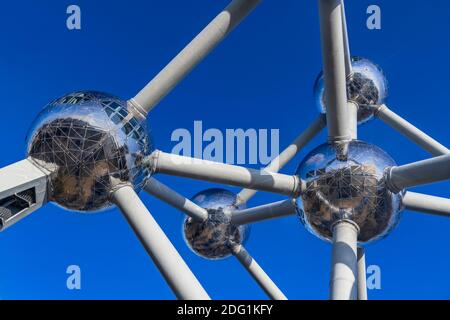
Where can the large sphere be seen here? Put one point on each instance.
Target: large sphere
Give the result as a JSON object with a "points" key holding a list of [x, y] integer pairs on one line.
{"points": [[91, 144], [216, 237], [348, 188], [366, 86]]}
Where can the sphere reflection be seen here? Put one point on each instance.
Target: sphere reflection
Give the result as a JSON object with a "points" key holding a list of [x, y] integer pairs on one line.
{"points": [[367, 85], [348, 188], [215, 237], [90, 143]]}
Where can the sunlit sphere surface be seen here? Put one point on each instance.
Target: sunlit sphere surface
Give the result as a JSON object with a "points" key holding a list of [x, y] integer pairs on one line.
{"points": [[350, 187], [216, 237], [366, 86], [91, 144]]}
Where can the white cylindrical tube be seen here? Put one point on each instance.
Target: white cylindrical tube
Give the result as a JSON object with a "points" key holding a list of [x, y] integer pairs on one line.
{"points": [[344, 262], [169, 262]]}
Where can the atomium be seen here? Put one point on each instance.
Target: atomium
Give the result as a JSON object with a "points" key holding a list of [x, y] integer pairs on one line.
{"points": [[215, 237], [350, 187], [89, 150], [91, 144], [366, 86]]}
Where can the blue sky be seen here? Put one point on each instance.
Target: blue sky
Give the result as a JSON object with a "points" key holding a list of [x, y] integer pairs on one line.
{"points": [[260, 77]]}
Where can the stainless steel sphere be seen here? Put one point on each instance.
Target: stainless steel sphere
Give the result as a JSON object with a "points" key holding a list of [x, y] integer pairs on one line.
{"points": [[350, 187], [367, 85], [215, 237], [90, 143]]}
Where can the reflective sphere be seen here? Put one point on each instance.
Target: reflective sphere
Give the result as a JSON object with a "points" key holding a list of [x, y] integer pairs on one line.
{"points": [[350, 187], [216, 237], [90, 143], [367, 85]]}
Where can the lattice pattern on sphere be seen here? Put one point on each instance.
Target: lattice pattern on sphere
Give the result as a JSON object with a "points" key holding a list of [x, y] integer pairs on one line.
{"points": [[366, 86], [92, 153], [214, 238], [90, 148], [354, 192], [362, 90]]}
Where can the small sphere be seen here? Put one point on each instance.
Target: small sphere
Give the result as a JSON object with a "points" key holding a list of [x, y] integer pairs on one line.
{"points": [[215, 237], [90, 143], [366, 86], [350, 187]]}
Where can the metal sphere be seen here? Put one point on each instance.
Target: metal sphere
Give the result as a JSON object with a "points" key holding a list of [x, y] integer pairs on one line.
{"points": [[366, 86], [215, 237], [91, 144], [350, 187]]}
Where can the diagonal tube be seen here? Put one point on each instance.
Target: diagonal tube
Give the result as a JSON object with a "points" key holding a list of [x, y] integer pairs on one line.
{"points": [[410, 131], [190, 56], [166, 194], [288, 154], [23, 190], [167, 259], [428, 204], [160, 162], [418, 173], [265, 212], [258, 274]]}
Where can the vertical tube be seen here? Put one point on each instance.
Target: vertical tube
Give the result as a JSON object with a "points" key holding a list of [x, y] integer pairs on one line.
{"points": [[334, 69], [353, 119], [348, 58], [344, 263], [362, 285], [169, 262]]}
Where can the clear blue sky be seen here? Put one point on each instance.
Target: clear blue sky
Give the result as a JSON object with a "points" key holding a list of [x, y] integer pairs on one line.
{"points": [[260, 77]]}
